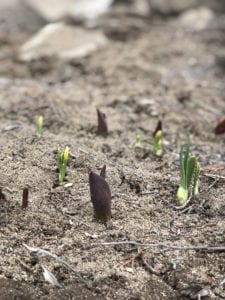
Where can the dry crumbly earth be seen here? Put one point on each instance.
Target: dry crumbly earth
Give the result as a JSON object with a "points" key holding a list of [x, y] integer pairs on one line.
{"points": [[149, 71]]}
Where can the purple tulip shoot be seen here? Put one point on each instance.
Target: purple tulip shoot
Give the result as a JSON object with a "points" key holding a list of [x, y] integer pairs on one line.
{"points": [[100, 197], [103, 172], [158, 127], [102, 124], [220, 127], [25, 198]]}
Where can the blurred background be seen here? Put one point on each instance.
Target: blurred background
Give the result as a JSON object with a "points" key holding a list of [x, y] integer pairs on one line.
{"points": [[67, 30]]}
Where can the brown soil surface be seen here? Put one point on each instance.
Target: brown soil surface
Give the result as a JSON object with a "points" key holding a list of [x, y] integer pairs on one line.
{"points": [[182, 76]]}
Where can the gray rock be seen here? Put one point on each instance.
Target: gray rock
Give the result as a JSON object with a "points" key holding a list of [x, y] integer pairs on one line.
{"points": [[15, 17], [170, 7], [137, 7], [173, 7], [63, 41]]}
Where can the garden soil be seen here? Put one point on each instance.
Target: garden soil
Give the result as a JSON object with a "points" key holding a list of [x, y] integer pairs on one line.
{"points": [[151, 69]]}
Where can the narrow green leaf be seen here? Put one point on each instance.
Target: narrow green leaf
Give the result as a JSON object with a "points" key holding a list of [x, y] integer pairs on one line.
{"points": [[190, 171], [196, 178], [182, 168], [186, 159]]}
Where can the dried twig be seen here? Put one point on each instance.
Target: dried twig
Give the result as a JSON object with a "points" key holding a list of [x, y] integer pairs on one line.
{"points": [[131, 259], [210, 186], [57, 258], [206, 248], [213, 176], [148, 267]]}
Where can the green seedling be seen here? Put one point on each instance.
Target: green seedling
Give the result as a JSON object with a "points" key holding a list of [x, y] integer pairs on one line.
{"points": [[189, 172], [157, 143], [137, 141], [62, 161], [40, 127]]}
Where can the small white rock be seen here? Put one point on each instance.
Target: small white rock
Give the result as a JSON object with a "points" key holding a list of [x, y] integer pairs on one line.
{"points": [[55, 10], [196, 19], [69, 184], [63, 41]]}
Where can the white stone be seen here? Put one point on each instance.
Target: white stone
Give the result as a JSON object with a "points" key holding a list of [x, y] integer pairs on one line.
{"points": [[55, 10], [196, 19], [64, 41]]}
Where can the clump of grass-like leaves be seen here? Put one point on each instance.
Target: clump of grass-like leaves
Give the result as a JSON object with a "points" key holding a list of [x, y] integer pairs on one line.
{"points": [[189, 172], [100, 197], [62, 161]]}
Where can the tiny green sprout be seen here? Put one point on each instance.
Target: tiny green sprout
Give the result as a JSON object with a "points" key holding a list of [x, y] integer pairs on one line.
{"points": [[62, 160], [190, 171], [40, 127], [157, 143], [137, 141]]}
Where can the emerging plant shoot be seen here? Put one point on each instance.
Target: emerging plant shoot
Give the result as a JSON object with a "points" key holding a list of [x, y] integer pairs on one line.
{"points": [[100, 197], [220, 127], [138, 141], [103, 172], [40, 127], [102, 124], [157, 143], [25, 198], [189, 172], [62, 161]]}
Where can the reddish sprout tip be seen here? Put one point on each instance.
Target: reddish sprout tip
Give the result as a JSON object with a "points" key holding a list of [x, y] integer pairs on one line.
{"points": [[25, 198], [158, 127], [100, 197], [220, 128], [102, 124], [103, 172]]}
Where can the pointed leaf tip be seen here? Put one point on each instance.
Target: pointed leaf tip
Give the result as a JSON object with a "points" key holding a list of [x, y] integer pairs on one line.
{"points": [[220, 127], [102, 123], [103, 172], [100, 197], [158, 127]]}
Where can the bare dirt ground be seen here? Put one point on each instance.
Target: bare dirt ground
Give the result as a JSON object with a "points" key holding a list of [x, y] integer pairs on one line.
{"points": [[181, 74]]}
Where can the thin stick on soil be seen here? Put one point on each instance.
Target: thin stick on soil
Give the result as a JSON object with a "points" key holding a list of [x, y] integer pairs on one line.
{"points": [[210, 186], [213, 176], [131, 259], [140, 255], [148, 267], [168, 247], [58, 259]]}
